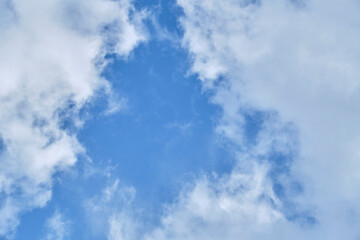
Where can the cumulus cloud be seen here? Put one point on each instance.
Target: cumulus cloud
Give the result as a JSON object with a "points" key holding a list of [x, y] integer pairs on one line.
{"points": [[295, 62], [52, 55]]}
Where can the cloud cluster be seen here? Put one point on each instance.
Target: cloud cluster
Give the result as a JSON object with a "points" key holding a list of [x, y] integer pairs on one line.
{"points": [[51, 57], [297, 60]]}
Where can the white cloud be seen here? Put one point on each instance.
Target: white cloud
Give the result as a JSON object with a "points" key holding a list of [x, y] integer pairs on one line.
{"points": [[51, 57], [300, 61], [110, 213], [57, 227], [221, 208]]}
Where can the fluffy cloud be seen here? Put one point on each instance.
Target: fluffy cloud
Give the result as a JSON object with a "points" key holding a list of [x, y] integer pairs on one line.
{"points": [[222, 208], [52, 54], [297, 60]]}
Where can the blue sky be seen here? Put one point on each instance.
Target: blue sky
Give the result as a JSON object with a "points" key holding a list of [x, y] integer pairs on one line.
{"points": [[187, 119]]}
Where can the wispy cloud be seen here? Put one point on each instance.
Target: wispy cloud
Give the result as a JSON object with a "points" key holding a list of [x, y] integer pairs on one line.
{"points": [[57, 227], [110, 213], [184, 128]]}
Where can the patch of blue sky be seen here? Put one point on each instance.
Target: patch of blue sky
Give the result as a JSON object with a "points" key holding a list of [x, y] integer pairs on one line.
{"points": [[166, 132], [2, 144]]}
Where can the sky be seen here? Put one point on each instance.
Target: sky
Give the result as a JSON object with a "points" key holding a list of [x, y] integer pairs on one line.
{"points": [[179, 119]]}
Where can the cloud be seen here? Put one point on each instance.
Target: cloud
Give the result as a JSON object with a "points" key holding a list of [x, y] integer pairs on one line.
{"points": [[221, 208], [184, 128], [52, 55], [57, 227], [296, 64], [110, 213]]}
